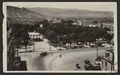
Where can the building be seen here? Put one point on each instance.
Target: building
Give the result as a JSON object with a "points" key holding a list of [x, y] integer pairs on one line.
{"points": [[77, 23], [108, 60], [110, 26], [10, 47], [92, 25], [35, 35], [13, 59]]}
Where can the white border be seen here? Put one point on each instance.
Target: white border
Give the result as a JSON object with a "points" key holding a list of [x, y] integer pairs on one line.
{"points": [[5, 46]]}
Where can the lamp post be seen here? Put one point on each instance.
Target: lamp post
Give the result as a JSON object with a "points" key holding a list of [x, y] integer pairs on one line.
{"points": [[50, 46], [97, 47], [112, 64], [97, 42], [34, 46], [31, 40]]}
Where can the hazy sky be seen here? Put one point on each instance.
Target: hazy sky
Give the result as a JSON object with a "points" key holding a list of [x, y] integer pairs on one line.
{"points": [[98, 6]]}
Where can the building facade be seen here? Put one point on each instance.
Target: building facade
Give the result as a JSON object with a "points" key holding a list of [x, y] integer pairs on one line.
{"points": [[10, 47], [13, 59]]}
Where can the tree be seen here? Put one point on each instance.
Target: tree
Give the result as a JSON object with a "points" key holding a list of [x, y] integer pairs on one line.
{"points": [[108, 37], [45, 23], [70, 22], [21, 34], [51, 36], [25, 37]]}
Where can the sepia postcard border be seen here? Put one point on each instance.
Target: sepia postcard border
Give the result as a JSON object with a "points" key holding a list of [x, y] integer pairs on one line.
{"points": [[5, 48]]}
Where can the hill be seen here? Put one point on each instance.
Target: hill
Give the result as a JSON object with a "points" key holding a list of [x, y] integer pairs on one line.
{"points": [[58, 12], [15, 12]]}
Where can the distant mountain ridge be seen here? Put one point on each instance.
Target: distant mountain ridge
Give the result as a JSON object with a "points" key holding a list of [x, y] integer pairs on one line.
{"points": [[58, 12], [16, 12]]}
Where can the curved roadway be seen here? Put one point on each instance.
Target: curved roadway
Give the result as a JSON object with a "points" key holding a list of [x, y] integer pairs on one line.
{"points": [[70, 58]]}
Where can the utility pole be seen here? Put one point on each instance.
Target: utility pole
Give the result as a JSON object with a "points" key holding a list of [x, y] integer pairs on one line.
{"points": [[34, 46], [106, 59], [49, 47], [97, 47], [97, 50], [112, 65]]}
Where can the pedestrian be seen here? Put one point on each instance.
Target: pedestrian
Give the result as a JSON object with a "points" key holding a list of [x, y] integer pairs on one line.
{"points": [[97, 67], [88, 65], [77, 66], [60, 55]]}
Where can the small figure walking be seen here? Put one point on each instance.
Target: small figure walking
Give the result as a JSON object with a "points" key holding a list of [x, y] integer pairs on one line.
{"points": [[77, 66], [60, 55]]}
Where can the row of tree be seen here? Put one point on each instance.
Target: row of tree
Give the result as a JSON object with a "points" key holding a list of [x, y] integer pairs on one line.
{"points": [[21, 36], [61, 33]]}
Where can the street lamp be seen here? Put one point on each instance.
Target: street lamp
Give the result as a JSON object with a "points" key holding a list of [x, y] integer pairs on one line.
{"points": [[50, 46], [31, 40], [97, 42], [97, 46], [34, 46]]}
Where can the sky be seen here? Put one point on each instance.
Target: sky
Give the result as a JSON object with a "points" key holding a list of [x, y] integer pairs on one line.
{"points": [[98, 6]]}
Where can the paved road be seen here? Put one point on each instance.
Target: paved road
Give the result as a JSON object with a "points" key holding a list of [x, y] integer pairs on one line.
{"points": [[33, 59], [53, 61], [43, 46], [68, 60]]}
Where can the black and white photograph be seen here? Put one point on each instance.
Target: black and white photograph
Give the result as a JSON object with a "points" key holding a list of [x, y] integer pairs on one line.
{"points": [[68, 37]]}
